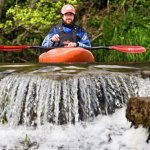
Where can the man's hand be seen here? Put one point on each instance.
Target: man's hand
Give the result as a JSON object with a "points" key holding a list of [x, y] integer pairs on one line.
{"points": [[71, 44], [55, 38]]}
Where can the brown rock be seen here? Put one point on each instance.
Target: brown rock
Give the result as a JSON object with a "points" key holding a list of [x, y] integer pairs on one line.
{"points": [[138, 112]]}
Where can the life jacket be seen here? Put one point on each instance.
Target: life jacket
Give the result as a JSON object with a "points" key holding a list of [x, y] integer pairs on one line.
{"points": [[67, 37]]}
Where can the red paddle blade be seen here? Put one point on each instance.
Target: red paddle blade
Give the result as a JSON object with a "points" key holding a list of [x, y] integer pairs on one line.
{"points": [[12, 48], [128, 49]]}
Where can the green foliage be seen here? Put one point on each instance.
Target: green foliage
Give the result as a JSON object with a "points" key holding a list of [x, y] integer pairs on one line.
{"points": [[126, 27], [119, 22], [30, 19]]}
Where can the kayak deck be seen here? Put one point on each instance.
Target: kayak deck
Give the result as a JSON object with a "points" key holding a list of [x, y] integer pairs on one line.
{"points": [[66, 55]]}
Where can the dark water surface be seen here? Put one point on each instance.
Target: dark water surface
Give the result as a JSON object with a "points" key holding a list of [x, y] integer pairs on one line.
{"points": [[78, 67]]}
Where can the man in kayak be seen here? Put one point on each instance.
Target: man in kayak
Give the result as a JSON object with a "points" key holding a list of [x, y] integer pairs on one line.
{"points": [[67, 34]]}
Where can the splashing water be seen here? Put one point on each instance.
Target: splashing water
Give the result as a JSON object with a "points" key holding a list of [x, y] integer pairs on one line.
{"points": [[111, 132]]}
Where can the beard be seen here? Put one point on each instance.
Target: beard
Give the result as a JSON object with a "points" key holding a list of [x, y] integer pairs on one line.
{"points": [[68, 22]]}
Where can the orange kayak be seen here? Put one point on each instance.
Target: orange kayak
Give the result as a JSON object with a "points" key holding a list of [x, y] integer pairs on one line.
{"points": [[66, 55]]}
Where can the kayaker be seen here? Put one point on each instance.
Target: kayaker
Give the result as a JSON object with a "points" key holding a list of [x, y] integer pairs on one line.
{"points": [[67, 33]]}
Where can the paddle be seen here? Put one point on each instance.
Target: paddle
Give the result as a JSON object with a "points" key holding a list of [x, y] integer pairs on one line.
{"points": [[121, 48]]}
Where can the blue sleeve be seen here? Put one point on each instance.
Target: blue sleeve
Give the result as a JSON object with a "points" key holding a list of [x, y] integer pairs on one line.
{"points": [[84, 39], [47, 40]]}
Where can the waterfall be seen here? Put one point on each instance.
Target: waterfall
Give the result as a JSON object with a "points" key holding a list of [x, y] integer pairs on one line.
{"points": [[34, 99]]}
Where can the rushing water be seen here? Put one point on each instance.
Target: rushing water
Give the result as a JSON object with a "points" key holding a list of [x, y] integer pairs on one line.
{"points": [[69, 107]]}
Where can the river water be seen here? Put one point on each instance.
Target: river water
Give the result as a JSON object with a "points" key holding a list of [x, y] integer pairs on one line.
{"points": [[101, 129]]}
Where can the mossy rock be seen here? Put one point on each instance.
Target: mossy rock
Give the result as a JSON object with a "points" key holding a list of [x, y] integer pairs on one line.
{"points": [[138, 112]]}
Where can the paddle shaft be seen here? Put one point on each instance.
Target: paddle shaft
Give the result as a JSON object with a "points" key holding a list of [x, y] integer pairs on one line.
{"points": [[88, 48]]}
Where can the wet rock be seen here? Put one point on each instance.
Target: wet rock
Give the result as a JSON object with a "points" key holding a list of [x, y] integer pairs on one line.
{"points": [[27, 144], [138, 112], [145, 74]]}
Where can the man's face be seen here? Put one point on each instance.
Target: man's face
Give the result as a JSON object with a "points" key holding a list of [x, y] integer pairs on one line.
{"points": [[68, 18]]}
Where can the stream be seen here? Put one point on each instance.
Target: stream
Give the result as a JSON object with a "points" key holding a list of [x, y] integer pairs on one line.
{"points": [[71, 106]]}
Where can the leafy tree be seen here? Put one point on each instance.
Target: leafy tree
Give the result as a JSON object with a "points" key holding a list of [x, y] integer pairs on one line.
{"points": [[28, 21]]}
